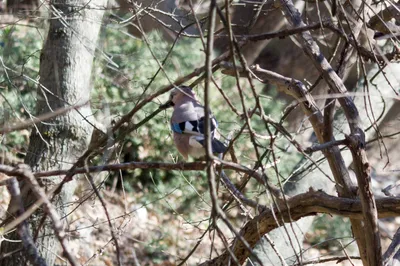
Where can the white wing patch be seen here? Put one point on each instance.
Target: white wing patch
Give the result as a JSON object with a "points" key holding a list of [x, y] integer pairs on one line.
{"points": [[191, 129]]}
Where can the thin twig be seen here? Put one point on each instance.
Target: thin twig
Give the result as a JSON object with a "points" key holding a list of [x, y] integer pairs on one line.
{"points": [[22, 230], [325, 145], [24, 172], [103, 204], [302, 205], [337, 259], [393, 248], [27, 123]]}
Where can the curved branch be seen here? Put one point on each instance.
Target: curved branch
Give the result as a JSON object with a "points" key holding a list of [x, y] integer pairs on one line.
{"points": [[356, 139], [300, 206]]}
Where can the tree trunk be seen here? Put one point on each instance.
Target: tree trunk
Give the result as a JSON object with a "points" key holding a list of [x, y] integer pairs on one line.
{"points": [[65, 71]]}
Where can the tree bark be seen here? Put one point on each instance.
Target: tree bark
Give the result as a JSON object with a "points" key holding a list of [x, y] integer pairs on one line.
{"points": [[65, 72]]}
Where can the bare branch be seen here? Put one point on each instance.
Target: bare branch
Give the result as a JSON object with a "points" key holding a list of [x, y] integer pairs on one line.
{"points": [[325, 145], [320, 260], [236, 192], [357, 137], [393, 248], [27, 123], [286, 32], [297, 90], [103, 204], [387, 190], [102, 141], [369, 55], [23, 231], [24, 172], [377, 22], [299, 206]]}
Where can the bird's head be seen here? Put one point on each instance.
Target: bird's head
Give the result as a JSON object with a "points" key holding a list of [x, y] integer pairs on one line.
{"points": [[180, 94]]}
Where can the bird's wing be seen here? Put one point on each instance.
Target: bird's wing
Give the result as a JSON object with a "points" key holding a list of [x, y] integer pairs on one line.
{"points": [[199, 142], [194, 127]]}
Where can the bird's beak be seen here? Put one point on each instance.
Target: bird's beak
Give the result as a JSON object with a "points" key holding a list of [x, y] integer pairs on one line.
{"points": [[166, 105]]}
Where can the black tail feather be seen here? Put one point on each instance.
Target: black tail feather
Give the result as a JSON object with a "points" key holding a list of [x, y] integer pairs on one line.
{"points": [[217, 146]]}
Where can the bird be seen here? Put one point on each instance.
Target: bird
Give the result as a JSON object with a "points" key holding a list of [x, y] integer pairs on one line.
{"points": [[188, 124]]}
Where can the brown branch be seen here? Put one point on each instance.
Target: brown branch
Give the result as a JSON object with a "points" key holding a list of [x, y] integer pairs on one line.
{"points": [[195, 166], [357, 137], [4, 178], [325, 145], [320, 260], [24, 172], [29, 122], [370, 55], [329, 113], [377, 22], [297, 90], [102, 140], [387, 189], [285, 33], [299, 206], [393, 248], [182, 166], [22, 229], [236, 192], [216, 211], [110, 225], [215, 208]]}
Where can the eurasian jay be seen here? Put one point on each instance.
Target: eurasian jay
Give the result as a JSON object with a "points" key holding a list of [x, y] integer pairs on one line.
{"points": [[187, 124]]}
